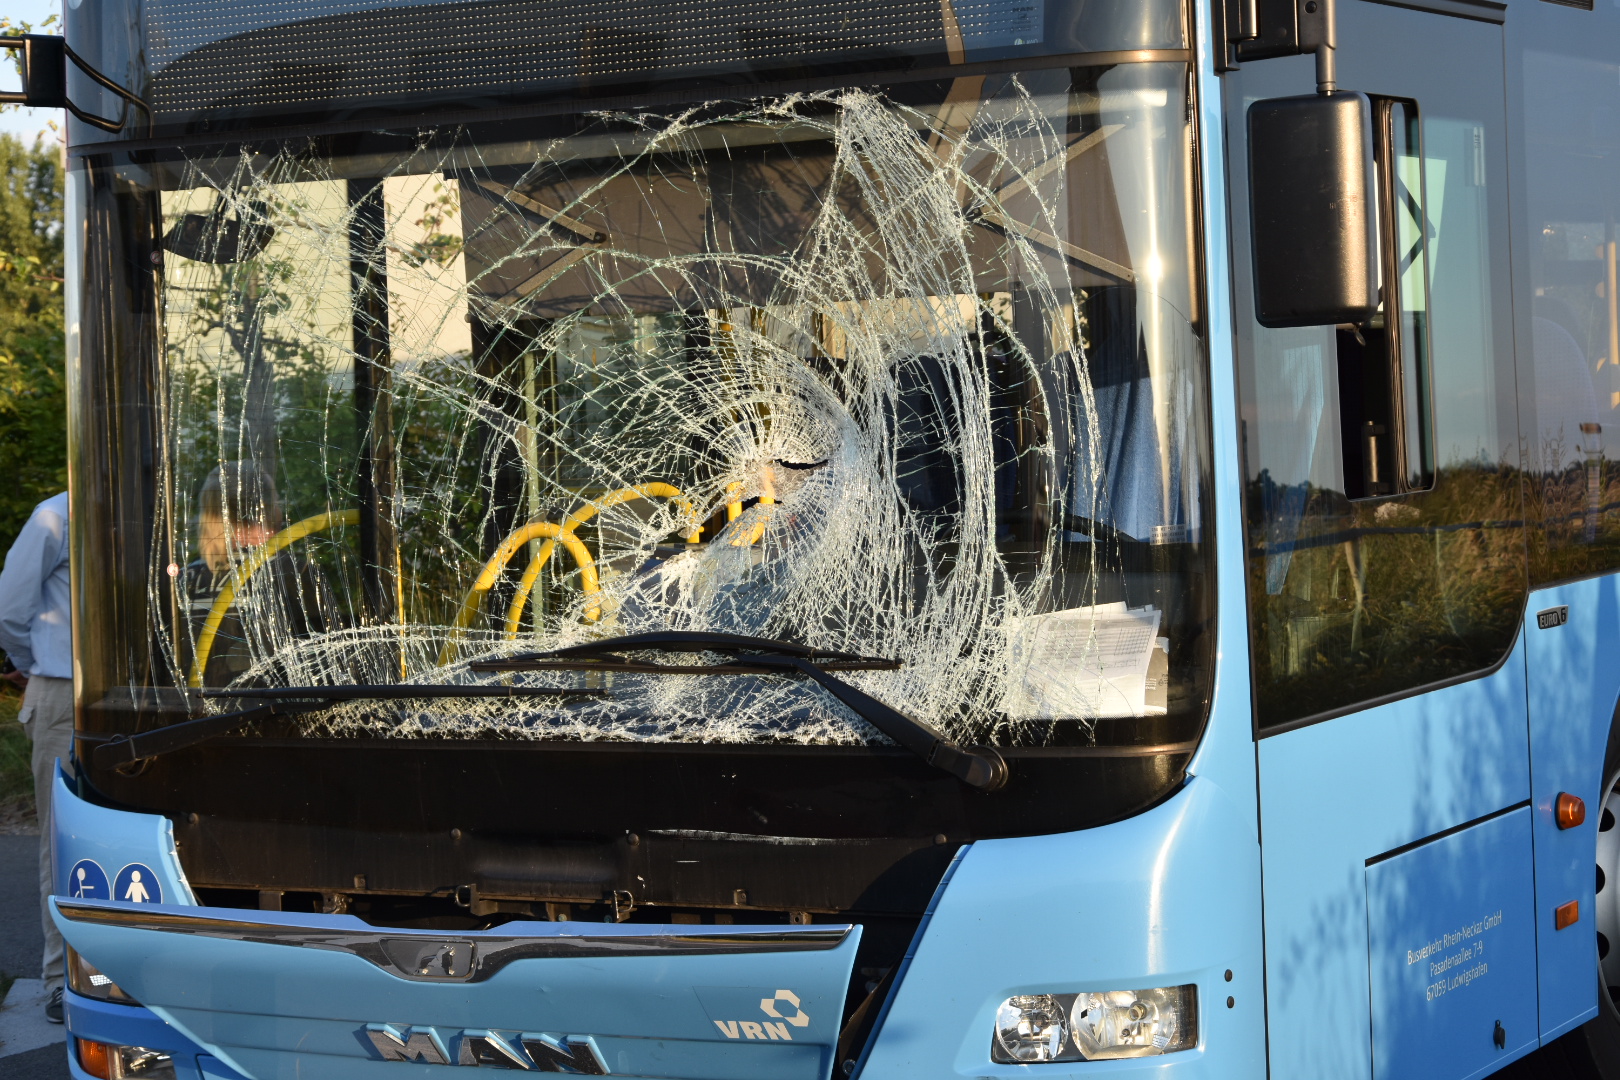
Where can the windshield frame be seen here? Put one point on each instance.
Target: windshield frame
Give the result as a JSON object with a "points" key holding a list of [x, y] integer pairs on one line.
{"points": [[1169, 743]]}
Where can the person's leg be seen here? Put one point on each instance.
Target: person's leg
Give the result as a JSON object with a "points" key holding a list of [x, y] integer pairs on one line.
{"points": [[49, 706]]}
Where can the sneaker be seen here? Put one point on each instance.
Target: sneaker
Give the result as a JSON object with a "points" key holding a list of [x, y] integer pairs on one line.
{"points": [[53, 1007]]}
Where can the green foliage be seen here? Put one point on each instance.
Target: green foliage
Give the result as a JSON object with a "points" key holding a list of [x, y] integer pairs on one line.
{"points": [[16, 774], [33, 402]]}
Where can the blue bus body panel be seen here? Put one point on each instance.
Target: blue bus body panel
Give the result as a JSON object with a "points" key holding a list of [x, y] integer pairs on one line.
{"points": [[1162, 899], [274, 1010], [134, 1025], [87, 836], [1338, 793], [1453, 958], [1574, 683]]}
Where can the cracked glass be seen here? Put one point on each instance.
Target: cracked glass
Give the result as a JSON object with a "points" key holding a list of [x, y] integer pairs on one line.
{"points": [[911, 372]]}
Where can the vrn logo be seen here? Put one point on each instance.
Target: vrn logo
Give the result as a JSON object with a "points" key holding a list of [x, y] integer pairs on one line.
{"points": [[782, 1007]]}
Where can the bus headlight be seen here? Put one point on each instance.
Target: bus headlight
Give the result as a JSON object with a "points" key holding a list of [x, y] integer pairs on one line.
{"points": [[1032, 1027], [1096, 1025], [106, 1061], [83, 979]]}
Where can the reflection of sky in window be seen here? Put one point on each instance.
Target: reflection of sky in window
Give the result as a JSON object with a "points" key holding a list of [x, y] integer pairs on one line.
{"points": [[1569, 167]]}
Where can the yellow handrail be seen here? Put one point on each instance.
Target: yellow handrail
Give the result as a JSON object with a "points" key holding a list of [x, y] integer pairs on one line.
{"points": [[514, 611], [503, 555], [767, 497], [250, 566]]}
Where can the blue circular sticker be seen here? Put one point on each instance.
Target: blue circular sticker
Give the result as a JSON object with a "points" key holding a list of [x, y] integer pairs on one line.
{"points": [[137, 884], [88, 881]]}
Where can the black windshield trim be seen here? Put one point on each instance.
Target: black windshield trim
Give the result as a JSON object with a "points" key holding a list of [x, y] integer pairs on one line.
{"points": [[457, 117]]}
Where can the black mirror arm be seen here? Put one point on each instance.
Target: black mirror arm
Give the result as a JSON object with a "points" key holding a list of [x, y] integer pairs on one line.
{"points": [[44, 69]]}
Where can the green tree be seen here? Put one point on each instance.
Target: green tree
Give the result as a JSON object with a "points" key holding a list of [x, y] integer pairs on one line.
{"points": [[33, 401]]}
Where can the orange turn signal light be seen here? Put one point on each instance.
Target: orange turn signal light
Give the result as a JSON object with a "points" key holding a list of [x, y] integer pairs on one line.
{"points": [[1569, 810], [1566, 914], [96, 1058]]}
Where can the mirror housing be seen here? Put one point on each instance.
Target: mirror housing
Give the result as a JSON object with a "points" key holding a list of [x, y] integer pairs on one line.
{"points": [[44, 71], [1311, 211]]}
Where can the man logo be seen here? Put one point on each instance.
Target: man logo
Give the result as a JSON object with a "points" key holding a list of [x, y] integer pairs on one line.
{"points": [[530, 1052], [783, 1006]]}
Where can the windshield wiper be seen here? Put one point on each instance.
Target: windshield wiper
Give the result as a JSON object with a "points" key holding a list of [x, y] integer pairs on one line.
{"points": [[981, 766], [293, 701], [605, 655]]}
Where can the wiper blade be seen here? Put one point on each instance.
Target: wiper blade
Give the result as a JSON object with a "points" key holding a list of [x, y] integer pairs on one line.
{"points": [[292, 701], [980, 766], [681, 642]]}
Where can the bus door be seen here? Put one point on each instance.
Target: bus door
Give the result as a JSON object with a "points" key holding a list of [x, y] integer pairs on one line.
{"points": [[1386, 584]]}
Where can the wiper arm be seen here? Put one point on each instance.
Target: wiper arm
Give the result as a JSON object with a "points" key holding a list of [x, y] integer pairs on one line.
{"points": [[292, 701], [605, 655], [981, 766]]}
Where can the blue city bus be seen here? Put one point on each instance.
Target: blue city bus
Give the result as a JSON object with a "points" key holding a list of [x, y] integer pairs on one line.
{"points": [[901, 538]]}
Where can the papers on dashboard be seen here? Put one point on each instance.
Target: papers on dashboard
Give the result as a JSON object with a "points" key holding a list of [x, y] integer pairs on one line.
{"points": [[1087, 662]]}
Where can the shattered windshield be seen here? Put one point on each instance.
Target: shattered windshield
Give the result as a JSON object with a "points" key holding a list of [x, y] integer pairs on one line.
{"points": [[911, 374]]}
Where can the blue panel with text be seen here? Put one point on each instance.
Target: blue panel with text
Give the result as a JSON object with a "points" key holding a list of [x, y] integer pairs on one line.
{"points": [[1453, 953]]}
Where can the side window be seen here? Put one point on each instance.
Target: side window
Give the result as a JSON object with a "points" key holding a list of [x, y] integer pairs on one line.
{"points": [[1385, 543], [1570, 402]]}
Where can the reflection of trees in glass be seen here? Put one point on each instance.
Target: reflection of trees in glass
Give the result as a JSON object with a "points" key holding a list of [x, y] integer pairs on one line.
{"points": [[1386, 596], [255, 376], [1575, 514]]}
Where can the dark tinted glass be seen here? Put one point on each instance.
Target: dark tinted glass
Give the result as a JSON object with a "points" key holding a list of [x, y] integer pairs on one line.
{"points": [[1369, 587], [203, 65]]}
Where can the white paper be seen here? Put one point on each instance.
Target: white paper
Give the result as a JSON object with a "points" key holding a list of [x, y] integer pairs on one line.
{"points": [[1082, 663]]}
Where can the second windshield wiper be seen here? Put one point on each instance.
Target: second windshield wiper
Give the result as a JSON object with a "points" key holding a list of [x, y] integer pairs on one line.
{"points": [[293, 701], [981, 766]]}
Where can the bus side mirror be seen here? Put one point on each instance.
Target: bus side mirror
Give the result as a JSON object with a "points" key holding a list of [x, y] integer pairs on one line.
{"points": [[44, 71], [1311, 189]]}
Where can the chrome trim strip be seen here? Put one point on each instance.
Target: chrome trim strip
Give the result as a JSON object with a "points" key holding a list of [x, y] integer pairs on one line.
{"points": [[428, 956]]}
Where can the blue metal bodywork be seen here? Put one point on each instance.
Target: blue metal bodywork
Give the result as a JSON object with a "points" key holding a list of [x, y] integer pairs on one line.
{"points": [[1173, 895], [1400, 772], [1574, 685], [133, 1025], [1452, 952], [274, 1010], [113, 841], [1168, 897]]}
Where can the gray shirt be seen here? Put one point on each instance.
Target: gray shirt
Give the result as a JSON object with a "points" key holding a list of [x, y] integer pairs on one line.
{"points": [[36, 628]]}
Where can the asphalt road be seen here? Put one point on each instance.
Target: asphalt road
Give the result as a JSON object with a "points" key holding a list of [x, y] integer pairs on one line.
{"points": [[19, 906], [20, 946]]}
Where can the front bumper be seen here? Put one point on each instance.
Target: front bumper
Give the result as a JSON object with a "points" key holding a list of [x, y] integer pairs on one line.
{"points": [[1164, 898]]}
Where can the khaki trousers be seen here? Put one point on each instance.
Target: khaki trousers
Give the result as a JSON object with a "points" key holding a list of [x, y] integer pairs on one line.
{"points": [[47, 710]]}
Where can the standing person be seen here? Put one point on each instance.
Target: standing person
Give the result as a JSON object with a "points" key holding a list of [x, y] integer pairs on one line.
{"points": [[36, 633]]}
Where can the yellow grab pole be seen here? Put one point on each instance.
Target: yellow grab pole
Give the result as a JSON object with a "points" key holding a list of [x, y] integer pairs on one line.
{"points": [[514, 611], [250, 566], [503, 555]]}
